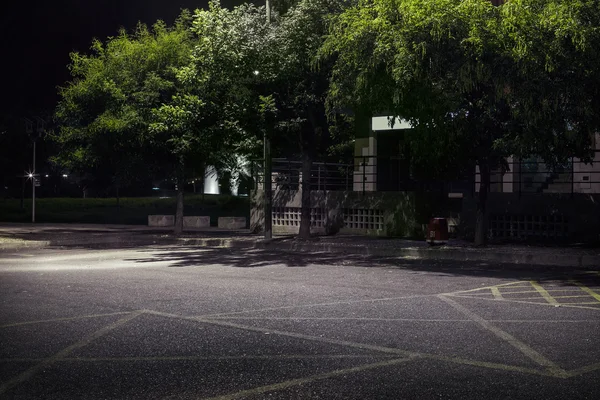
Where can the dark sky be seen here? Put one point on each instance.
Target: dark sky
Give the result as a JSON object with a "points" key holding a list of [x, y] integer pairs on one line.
{"points": [[37, 37]]}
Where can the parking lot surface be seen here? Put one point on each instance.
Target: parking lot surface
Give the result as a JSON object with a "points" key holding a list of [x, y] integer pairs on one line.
{"points": [[185, 323]]}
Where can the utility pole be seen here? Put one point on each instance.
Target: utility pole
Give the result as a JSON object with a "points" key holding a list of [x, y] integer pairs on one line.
{"points": [[33, 185], [268, 167], [268, 7], [30, 131]]}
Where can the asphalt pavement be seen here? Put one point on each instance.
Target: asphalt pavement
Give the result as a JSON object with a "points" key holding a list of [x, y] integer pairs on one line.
{"points": [[171, 321], [19, 235]]}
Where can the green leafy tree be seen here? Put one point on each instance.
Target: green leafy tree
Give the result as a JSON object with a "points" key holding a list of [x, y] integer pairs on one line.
{"points": [[167, 99], [299, 85], [105, 112], [475, 78], [212, 118]]}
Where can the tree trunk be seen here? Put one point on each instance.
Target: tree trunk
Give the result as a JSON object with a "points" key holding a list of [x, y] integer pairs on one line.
{"points": [[118, 197], [305, 211], [484, 187], [179, 210]]}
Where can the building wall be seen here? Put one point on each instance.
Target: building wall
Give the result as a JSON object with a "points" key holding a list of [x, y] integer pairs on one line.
{"points": [[584, 178], [543, 217], [401, 214]]}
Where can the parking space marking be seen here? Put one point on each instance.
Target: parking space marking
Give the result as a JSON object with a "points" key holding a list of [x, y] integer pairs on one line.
{"points": [[519, 321], [242, 317], [42, 321], [385, 350], [570, 305], [549, 293], [63, 353], [346, 343], [332, 303], [587, 290], [268, 357], [560, 297], [513, 341], [309, 379], [496, 293], [512, 284], [544, 293], [584, 370]]}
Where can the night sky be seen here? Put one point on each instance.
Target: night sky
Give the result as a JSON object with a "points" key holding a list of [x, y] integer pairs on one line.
{"points": [[38, 36]]}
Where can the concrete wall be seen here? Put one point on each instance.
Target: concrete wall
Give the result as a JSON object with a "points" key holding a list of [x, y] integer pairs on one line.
{"points": [[161, 220], [189, 222], [401, 214], [582, 211], [232, 222], [196, 222]]}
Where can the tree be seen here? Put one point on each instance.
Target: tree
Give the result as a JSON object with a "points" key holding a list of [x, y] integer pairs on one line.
{"points": [[165, 99], [299, 84], [105, 112], [473, 75], [211, 119]]}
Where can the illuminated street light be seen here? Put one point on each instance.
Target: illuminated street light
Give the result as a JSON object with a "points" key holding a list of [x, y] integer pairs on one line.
{"points": [[65, 176]]}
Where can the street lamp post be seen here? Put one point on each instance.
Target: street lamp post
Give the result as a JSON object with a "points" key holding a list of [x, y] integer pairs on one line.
{"points": [[33, 185], [31, 175], [268, 188], [38, 133]]}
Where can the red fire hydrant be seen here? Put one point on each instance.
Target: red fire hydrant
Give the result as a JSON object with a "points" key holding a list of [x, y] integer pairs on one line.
{"points": [[437, 231]]}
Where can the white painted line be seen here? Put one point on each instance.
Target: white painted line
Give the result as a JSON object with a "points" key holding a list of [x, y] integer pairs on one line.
{"points": [[346, 343], [486, 287], [301, 381], [226, 358], [517, 344], [584, 370], [541, 303], [63, 353], [386, 350], [43, 321], [243, 318], [333, 303]]}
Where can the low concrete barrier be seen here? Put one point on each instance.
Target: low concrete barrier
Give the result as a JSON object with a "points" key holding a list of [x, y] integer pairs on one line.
{"points": [[161, 220], [232, 222], [196, 222]]}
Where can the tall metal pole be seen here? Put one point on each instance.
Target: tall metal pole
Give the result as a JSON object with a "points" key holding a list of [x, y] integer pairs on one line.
{"points": [[268, 167], [268, 189], [33, 186], [268, 7]]}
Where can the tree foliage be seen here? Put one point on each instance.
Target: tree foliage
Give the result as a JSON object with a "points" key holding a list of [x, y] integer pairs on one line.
{"points": [[106, 110], [169, 98], [484, 81]]}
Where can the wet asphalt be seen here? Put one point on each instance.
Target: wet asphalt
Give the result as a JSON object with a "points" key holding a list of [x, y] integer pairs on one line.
{"points": [[176, 322]]}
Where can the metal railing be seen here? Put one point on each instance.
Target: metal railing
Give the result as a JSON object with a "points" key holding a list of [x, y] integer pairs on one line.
{"points": [[373, 173], [533, 176], [287, 175]]}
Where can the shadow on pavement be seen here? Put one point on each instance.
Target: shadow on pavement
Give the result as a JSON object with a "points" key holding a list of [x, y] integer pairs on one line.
{"points": [[194, 257], [161, 246]]}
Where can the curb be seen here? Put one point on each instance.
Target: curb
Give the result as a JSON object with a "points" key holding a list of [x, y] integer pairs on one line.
{"points": [[25, 244]]}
